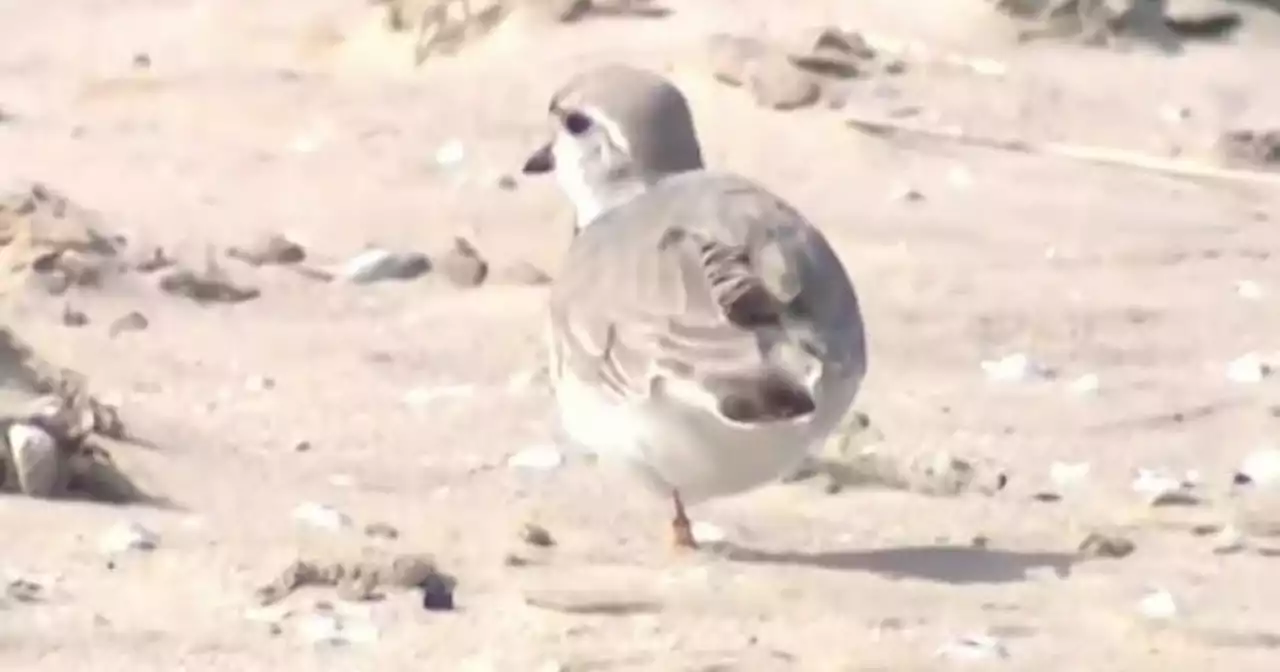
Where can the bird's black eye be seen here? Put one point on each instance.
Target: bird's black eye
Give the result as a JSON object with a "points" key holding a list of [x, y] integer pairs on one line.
{"points": [[576, 122]]}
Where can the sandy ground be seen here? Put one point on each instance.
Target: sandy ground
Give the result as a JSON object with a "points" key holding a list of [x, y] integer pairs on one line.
{"points": [[252, 119]]}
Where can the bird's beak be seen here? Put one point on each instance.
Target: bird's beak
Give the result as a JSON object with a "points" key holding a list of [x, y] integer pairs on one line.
{"points": [[542, 161]]}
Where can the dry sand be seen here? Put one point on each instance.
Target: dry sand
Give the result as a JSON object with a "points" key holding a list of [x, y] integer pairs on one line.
{"points": [[255, 117]]}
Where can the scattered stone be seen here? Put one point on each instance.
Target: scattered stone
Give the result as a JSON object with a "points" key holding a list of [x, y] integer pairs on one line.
{"points": [[775, 82], [437, 592], [524, 273], [1160, 489], [973, 648], [462, 265], [1260, 468], [141, 60], [271, 249], [1084, 385], [72, 317], [259, 383], [302, 446], [707, 533], [450, 154], [538, 458], [50, 243], [906, 193], [1248, 289], [131, 321], [1015, 368], [379, 530], [1100, 545], [212, 285], [1256, 148], [507, 183], [151, 259], [374, 265], [1158, 605], [37, 463], [126, 537], [1248, 368], [835, 53], [536, 535], [356, 580], [23, 590], [1228, 541], [427, 394], [321, 516]]}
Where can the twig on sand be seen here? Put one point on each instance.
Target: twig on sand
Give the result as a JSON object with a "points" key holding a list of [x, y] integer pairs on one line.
{"points": [[1102, 155]]}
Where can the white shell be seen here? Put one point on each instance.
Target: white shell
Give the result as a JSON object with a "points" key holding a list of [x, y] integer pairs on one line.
{"points": [[36, 459]]}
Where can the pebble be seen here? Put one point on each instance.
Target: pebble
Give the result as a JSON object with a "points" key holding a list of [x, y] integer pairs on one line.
{"points": [[1249, 368], [321, 516], [524, 273], [379, 530], [271, 249], [1014, 368], [71, 317], [209, 286], [777, 84], [462, 265], [125, 537], [1228, 540], [1260, 468], [707, 533], [1248, 289], [536, 535], [451, 153], [131, 321], [437, 593], [1158, 605], [376, 264], [1100, 545], [35, 453], [1086, 384], [536, 458], [1159, 489]]}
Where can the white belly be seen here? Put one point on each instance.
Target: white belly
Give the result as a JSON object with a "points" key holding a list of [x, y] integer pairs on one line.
{"points": [[689, 450]]}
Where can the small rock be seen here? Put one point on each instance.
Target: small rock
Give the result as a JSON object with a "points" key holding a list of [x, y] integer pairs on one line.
{"points": [[1158, 605], [271, 249], [1249, 368], [1014, 368], [1260, 468], [302, 446], [23, 590], [379, 530], [536, 535], [152, 259], [437, 593], [131, 321], [72, 317], [141, 60], [777, 84], [321, 516], [507, 183], [536, 458], [1099, 545], [707, 533], [906, 193], [1085, 385], [1250, 147], [210, 286], [463, 266], [128, 537], [35, 457], [1228, 540], [835, 53], [450, 153], [259, 383], [376, 264], [1162, 490], [1248, 289]]}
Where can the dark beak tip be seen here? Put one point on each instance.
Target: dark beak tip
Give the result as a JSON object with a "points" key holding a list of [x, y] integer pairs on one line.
{"points": [[541, 162]]}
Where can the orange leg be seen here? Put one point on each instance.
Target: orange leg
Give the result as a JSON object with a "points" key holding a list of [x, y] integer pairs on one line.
{"points": [[680, 527]]}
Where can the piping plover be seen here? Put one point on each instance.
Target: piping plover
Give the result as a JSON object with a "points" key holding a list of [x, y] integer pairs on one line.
{"points": [[701, 330]]}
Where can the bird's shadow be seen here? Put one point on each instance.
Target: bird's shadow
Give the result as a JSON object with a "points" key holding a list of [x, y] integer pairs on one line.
{"points": [[957, 565]]}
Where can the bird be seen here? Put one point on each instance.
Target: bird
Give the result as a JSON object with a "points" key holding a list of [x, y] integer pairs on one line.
{"points": [[701, 331]]}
